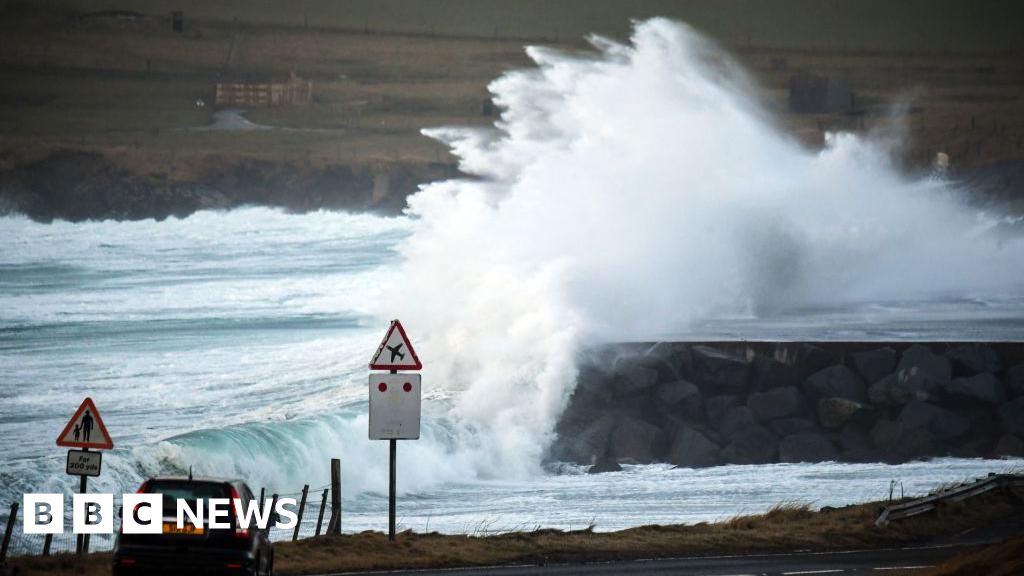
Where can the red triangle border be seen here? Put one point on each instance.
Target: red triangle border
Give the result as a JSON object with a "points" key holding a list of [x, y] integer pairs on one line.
{"points": [[107, 444]]}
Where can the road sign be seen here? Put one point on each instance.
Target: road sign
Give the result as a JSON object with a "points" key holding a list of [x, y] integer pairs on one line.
{"points": [[395, 406], [395, 351], [83, 463], [86, 429]]}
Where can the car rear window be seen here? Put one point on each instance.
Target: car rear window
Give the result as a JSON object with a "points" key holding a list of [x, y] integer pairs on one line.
{"points": [[187, 490]]}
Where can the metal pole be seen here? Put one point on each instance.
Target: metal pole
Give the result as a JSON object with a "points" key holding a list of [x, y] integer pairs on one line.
{"points": [[391, 492], [302, 509], [11, 520], [320, 517], [82, 542]]}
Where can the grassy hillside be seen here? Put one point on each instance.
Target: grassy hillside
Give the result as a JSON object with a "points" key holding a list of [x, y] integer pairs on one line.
{"points": [[124, 85]]}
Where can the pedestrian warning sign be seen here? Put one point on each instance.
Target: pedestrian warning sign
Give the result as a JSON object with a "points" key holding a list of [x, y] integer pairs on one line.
{"points": [[395, 351], [86, 429]]}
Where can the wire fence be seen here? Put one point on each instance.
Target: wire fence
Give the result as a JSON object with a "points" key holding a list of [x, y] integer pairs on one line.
{"points": [[314, 517]]}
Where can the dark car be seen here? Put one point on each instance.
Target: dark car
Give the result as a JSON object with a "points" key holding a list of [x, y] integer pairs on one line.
{"points": [[239, 550]]}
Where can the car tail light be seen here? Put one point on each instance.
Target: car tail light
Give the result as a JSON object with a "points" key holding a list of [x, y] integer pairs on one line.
{"points": [[240, 532], [233, 566], [126, 561]]}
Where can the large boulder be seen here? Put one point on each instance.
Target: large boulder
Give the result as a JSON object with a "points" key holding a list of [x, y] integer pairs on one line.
{"points": [[790, 426], [584, 446], [939, 422], [631, 376], [680, 398], [873, 365], [674, 392], [836, 382], [834, 413], [595, 382], [717, 407], [634, 441], [1012, 416], [920, 360], [886, 434], [855, 445], [982, 387], [604, 464], [902, 386], [1015, 380], [718, 372], [691, 449], [752, 445], [738, 418], [1009, 445], [806, 448], [767, 373], [975, 358], [896, 442], [776, 403], [804, 359]]}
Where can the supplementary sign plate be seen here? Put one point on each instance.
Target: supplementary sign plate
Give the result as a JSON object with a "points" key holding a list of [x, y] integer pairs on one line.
{"points": [[82, 463], [395, 406]]}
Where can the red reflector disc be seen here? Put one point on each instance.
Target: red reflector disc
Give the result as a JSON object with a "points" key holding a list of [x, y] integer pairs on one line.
{"points": [[407, 387], [382, 387]]}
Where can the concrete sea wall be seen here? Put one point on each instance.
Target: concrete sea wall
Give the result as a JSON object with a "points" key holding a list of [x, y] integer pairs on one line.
{"points": [[696, 405]]}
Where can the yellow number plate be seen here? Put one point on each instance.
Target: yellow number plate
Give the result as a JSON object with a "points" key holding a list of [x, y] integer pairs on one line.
{"points": [[187, 529]]}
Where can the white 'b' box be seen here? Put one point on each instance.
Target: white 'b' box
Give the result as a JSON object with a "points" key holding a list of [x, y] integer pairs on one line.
{"points": [[395, 406]]}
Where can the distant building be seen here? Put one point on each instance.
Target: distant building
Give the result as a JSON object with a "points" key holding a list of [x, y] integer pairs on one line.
{"points": [[817, 94], [294, 91]]}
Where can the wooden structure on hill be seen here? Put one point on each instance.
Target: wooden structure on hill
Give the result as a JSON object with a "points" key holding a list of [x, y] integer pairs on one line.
{"points": [[294, 91]]}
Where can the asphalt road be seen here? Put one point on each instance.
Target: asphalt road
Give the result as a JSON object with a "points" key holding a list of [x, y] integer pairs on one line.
{"points": [[878, 562]]}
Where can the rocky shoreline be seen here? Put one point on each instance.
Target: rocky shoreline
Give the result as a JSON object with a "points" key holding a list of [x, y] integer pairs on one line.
{"points": [[81, 185], [697, 405]]}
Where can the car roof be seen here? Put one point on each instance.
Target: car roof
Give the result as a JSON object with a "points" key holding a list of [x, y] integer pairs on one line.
{"points": [[208, 479]]}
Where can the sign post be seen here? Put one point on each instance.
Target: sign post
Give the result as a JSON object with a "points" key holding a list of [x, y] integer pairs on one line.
{"points": [[85, 430], [395, 400]]}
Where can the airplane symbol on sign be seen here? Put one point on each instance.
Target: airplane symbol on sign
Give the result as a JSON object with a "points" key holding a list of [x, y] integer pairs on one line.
{"points": [[395, 351]]}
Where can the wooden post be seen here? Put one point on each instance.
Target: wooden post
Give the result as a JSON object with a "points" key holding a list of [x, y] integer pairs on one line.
{"points": [[47, 541], [302, 509], [334, 527], [273, 506], [263, 495], [320, 517], [11, 521]]}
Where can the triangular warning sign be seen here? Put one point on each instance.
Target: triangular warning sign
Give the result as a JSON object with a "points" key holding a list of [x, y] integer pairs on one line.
{"points": [[86, 429], [395, 351]]}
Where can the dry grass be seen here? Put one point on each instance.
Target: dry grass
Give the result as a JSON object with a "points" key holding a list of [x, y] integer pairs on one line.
{"points": [[789, 526]]}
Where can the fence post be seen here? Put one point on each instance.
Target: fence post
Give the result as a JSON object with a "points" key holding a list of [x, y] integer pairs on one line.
{"points": [[302, 509], [11, 520], [320, 518], [263, 494], [273, 506], [335, 525], [47, 541]]}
